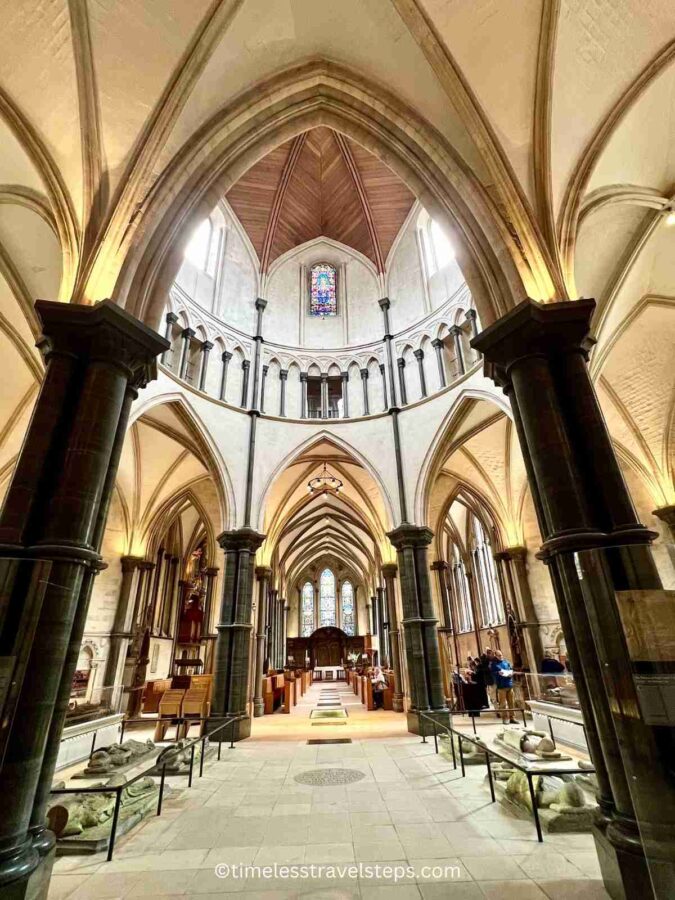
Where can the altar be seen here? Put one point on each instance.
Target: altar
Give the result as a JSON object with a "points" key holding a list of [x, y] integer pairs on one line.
{"points": [[329, 673]]}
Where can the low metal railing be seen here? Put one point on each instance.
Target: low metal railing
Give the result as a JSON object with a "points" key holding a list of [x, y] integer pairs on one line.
{"points": [[152, 770]]}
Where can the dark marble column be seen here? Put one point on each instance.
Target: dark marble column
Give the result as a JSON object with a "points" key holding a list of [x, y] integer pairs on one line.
{"points": [[439, 347], [303, 395], [364, 382], [456, 333], [122, 626], [55, 509], [400, 362], [385, 306], [211, 575], [262, 574], [419, 356], [283, 378], [265, 370], [207, 347], [472, 318], [389, 572], [449, 623], [324, 395], [245, 367], [285, 606], [384, 387], [518, 586], [598, 553], [225, 357], [171, 320], [369, 617], [381, 626], [187, 334], [420, 627], [231, 664], [345, 394]]}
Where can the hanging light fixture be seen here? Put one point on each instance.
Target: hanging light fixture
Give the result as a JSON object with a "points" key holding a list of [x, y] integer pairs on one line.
{"points": [[326, 481]]}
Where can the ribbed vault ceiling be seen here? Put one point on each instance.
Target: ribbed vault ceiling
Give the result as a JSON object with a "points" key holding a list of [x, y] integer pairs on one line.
{"points": [[321, 184]]}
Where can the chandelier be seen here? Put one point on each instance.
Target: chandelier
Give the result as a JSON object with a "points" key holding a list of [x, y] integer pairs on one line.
{"points": [[326, 481]]}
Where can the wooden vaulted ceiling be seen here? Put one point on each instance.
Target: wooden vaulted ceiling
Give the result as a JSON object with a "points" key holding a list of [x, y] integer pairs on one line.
{"points": [[321, 183]]}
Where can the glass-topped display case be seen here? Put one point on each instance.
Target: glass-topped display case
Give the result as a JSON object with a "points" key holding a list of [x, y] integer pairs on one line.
{"points": [[553, 701]]}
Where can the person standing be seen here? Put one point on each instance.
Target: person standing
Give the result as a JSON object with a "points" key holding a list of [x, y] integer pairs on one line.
{"points": [[490, 686], [502, 672], [550, 665], [379, 683]]}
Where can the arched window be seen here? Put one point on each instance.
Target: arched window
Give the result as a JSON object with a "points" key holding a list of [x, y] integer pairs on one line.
{"points": [[489, 594], [461, 592], [197, 251], [327, 606], [347, 602], [307, 610], [438, 252], [323, 290]]}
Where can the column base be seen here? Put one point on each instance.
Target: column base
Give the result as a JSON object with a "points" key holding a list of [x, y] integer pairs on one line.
{"points": [[397, 704], [34, 886], [624, 874], [422, 726], [258, 708], [237, 732]]}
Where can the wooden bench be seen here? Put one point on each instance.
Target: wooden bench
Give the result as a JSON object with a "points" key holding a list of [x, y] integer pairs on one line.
{"points": [[153, 692], [195, 706]]}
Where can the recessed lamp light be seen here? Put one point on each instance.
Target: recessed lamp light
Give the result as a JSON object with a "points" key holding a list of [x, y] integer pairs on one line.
{"points": [[670, 218]]}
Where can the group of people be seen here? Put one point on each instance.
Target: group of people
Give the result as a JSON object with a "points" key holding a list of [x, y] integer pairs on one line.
{"points": [[492, 676]]}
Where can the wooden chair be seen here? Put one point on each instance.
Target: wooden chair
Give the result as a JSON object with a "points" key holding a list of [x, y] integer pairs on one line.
{"points": [[170, 709], [195, 706]]}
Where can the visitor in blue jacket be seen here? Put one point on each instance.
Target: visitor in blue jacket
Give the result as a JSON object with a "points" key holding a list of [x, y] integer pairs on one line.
{"points": [[502, 672]]}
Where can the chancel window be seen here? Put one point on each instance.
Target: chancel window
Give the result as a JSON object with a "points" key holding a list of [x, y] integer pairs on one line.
{"points": [[327, 605], [322, 290], [347, 601], [489, 594], [307, 610]]}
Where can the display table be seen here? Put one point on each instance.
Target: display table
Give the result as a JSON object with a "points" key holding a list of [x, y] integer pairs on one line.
{"points": [[79, 741]]}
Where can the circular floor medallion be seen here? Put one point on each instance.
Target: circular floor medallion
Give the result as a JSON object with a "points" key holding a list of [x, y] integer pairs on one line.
{"points": [[329, 777]]}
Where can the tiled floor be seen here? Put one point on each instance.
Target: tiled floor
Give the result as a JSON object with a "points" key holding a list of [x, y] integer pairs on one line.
{"points": [[437, 833]]}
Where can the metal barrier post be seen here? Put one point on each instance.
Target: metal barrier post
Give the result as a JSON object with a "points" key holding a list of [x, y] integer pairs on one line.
{"points": [[424, 731], [461, 756], [473, 724], [113, 829], [452, 747], [201, 761], [161, 790], [492, 787], [192, 762], [524, 718], [232, 734], [435, 735], [123, 726], [535, 811], [93, 744]]}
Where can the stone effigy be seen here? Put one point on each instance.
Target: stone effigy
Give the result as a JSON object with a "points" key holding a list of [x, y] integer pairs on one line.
{"points": [[82, 822], [176, 759], [472, 754], [563, 802], [532, 745], [117, 758]]}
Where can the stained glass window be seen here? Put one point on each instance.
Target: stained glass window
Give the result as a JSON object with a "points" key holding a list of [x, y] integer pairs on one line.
{"points": [[327, 599], [307, 610], [323, 290], [347, 599]]}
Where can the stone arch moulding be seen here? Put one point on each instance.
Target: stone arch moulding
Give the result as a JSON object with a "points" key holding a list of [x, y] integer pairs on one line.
{"points": [[433, 457], [213, 458], [262, 495], [480, 500], [316, 93]]}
